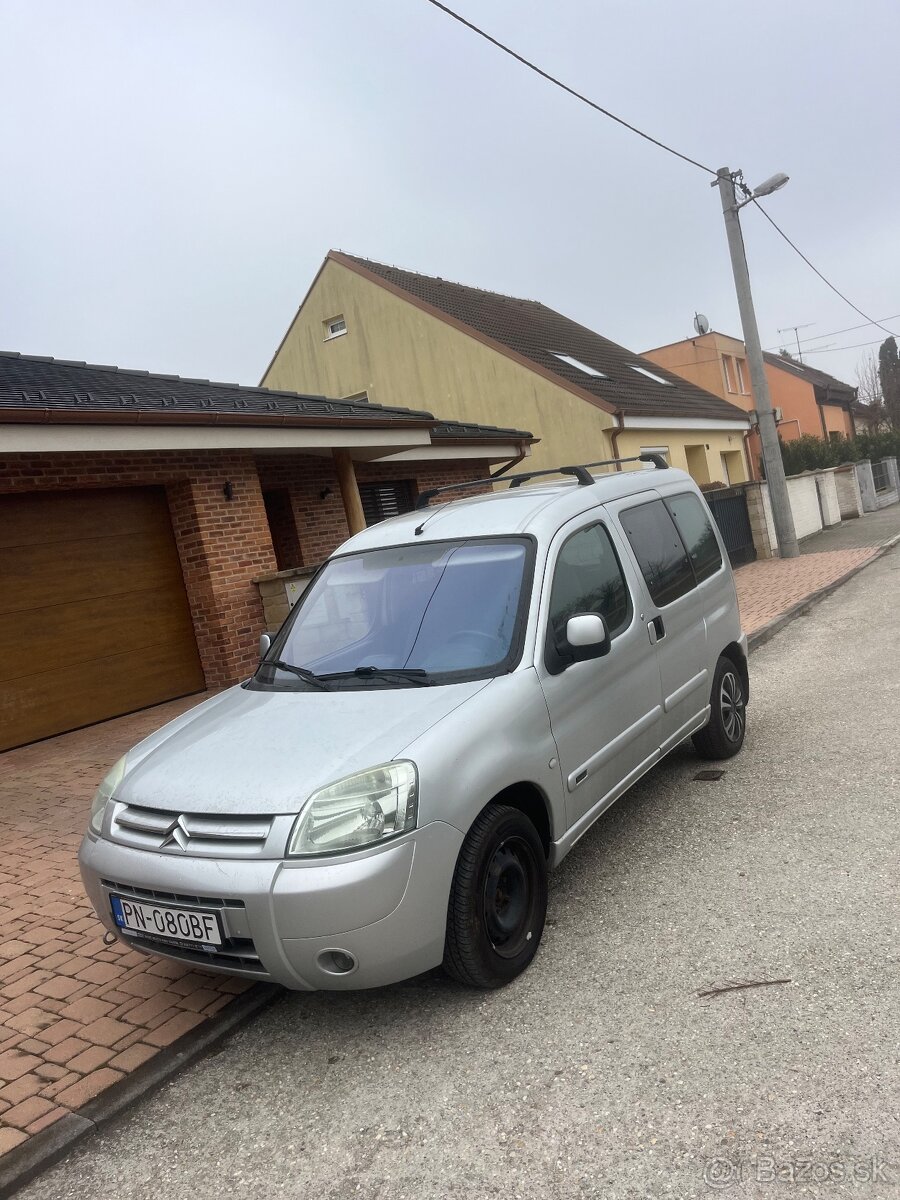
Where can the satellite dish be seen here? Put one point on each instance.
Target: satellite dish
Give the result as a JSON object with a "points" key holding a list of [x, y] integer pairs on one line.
{"points": [[701, 323]]}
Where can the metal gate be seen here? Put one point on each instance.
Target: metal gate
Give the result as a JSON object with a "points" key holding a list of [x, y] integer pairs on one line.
{"points": [[729, 508]]}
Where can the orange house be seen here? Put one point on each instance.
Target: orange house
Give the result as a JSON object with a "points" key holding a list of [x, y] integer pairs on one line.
{"points": [[806, 400]]}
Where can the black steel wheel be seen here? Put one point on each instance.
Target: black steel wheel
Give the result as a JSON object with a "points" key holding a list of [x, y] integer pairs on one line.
{"points": [[498, 900], [723, 735]]}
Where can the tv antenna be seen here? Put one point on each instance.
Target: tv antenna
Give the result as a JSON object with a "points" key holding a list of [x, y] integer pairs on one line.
{"points": [[795, 330]]}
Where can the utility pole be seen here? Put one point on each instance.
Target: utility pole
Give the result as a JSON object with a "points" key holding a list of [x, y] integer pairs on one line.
{"points": [[768, 432]]}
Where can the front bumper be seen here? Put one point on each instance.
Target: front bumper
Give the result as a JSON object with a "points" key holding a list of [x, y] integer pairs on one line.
{"points": [[386, 908]]}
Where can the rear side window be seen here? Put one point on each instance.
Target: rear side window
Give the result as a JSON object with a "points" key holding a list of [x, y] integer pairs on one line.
{"points": [[587, 579], [659, 550], [696, 533]]}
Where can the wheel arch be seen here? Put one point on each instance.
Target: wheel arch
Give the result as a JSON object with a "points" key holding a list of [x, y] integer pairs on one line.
{"points": [[528, 798], [735, 653]]}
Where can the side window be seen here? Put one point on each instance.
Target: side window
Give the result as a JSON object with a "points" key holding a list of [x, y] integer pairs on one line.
{"points": [[659, 550], [696, 533], [587, 579]]}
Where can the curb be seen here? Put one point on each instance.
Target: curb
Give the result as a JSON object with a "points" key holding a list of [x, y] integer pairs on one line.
{"points": [[21, 1164], [769, 630]]}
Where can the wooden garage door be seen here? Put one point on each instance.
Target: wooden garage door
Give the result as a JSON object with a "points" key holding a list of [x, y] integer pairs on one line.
{"points": [[94, 620]]}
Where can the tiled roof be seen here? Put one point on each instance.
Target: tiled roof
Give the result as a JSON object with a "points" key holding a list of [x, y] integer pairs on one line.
{"points": [[820, 379], [536, 333], [29, 382]]}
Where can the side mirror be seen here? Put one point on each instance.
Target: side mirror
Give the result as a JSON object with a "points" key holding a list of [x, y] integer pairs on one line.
{"points": [[587, 636], [265, 642]]}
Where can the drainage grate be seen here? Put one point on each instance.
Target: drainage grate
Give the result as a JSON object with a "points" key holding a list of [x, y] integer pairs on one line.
{"points": [[709, 776]]}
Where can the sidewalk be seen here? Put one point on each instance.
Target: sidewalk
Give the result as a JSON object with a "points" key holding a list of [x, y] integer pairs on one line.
{"points": [[78, 1016], [770, 587]]}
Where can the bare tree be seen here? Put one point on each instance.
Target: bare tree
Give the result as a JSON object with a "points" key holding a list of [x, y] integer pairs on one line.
{"points": [[868, 379]]}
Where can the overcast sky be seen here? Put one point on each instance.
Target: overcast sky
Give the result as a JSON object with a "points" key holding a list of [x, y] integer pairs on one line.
{"points": [[174, 173]]}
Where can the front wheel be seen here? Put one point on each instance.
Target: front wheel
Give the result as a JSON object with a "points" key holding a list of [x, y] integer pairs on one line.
{"points": [[723, 734], [498, 900]]}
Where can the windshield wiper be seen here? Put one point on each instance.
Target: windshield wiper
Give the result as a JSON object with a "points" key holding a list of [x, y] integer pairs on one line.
{"points": [[307, 676], [408, 674]]}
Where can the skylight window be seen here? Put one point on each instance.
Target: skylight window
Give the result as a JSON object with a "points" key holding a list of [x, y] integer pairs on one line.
{"points": [[578, 365], [650, 375]]}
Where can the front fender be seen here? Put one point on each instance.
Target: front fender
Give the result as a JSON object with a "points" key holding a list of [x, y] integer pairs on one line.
{"points": [[499, 738]]}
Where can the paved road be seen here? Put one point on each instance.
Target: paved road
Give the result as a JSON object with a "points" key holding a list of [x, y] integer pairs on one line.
{"points": [[602, 1073]]}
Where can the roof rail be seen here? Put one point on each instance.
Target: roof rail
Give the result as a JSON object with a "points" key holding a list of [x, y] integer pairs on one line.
{"points": [[581, 472]]}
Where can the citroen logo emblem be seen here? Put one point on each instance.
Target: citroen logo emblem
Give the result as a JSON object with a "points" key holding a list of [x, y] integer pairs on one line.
{"points": [[176, 835]]}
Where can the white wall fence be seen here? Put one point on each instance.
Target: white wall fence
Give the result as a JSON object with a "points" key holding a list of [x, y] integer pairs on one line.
{"points": [[821, 499]]}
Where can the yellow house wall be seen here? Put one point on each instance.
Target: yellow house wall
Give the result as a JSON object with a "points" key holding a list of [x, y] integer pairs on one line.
{"points": [[631, 441], [400, 355]]}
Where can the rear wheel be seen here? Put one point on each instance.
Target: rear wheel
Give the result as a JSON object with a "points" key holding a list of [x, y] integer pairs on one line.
{"points": [[498, 900], [723, 735]]}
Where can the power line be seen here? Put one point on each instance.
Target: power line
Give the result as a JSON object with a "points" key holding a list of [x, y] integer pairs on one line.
{"points": [[565, 87], [850, 329], [855, 346], [815, 269], [476, 29]]}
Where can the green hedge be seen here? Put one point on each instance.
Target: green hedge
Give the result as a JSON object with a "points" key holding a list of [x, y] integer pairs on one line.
{"points": [[810, 453]]}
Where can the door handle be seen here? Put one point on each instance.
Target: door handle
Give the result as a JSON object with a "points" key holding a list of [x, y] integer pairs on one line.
{"points": [[656, 629]]}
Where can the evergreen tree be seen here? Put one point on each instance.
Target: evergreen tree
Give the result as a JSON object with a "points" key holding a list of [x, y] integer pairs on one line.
{"points": [[889, 371]]}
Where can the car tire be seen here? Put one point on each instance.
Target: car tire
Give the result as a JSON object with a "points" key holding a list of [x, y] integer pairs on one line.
{"points": [[723, 735], [498, 900]]}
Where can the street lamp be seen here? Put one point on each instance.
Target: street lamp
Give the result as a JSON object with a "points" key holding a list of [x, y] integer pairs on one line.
{"points": [[768, 431]]}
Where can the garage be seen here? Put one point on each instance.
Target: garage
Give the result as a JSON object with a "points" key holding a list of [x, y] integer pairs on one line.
{"points": [[94, 619]]}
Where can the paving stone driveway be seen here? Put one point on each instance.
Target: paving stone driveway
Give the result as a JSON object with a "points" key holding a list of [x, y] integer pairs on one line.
{"points": [[75, 1015]]}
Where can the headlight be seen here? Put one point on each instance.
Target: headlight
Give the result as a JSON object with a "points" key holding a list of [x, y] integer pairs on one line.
{"points": [[369, 807], [104, 794]]}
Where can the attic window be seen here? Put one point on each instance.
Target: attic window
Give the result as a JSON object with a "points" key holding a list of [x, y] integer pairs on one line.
{"points": [[335, 327], [650, 375], [578, 365], [358, 398]]}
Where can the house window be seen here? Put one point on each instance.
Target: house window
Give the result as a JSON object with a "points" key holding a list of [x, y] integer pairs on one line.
{"points": [[650, 375], [663, 451], [741, 377], [335, 327], [578, 365], [383, 500], [735, 374]]}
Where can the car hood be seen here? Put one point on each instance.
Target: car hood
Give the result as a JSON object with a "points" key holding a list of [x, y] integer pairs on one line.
{"points": [[262, 752]]}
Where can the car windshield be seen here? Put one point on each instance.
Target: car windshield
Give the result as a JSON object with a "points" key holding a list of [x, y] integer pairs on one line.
{"points": [[401, 616]]}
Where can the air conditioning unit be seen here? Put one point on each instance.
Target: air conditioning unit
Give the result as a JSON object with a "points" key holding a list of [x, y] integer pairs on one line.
{"points": [[778, 414]]}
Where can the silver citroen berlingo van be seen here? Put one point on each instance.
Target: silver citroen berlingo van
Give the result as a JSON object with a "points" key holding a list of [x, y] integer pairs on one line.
{"points": [[456, 698]]}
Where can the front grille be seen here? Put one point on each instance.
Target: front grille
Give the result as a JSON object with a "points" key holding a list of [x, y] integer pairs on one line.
{"points": [[151, 894], [190, 833], [235, 953]]}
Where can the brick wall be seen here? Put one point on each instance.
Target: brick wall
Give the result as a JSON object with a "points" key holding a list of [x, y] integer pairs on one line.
{"points": [[223, 545], [321, 524]]}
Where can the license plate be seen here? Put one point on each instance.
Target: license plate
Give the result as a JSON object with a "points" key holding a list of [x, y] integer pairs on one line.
{"points": [[161, 921]]}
